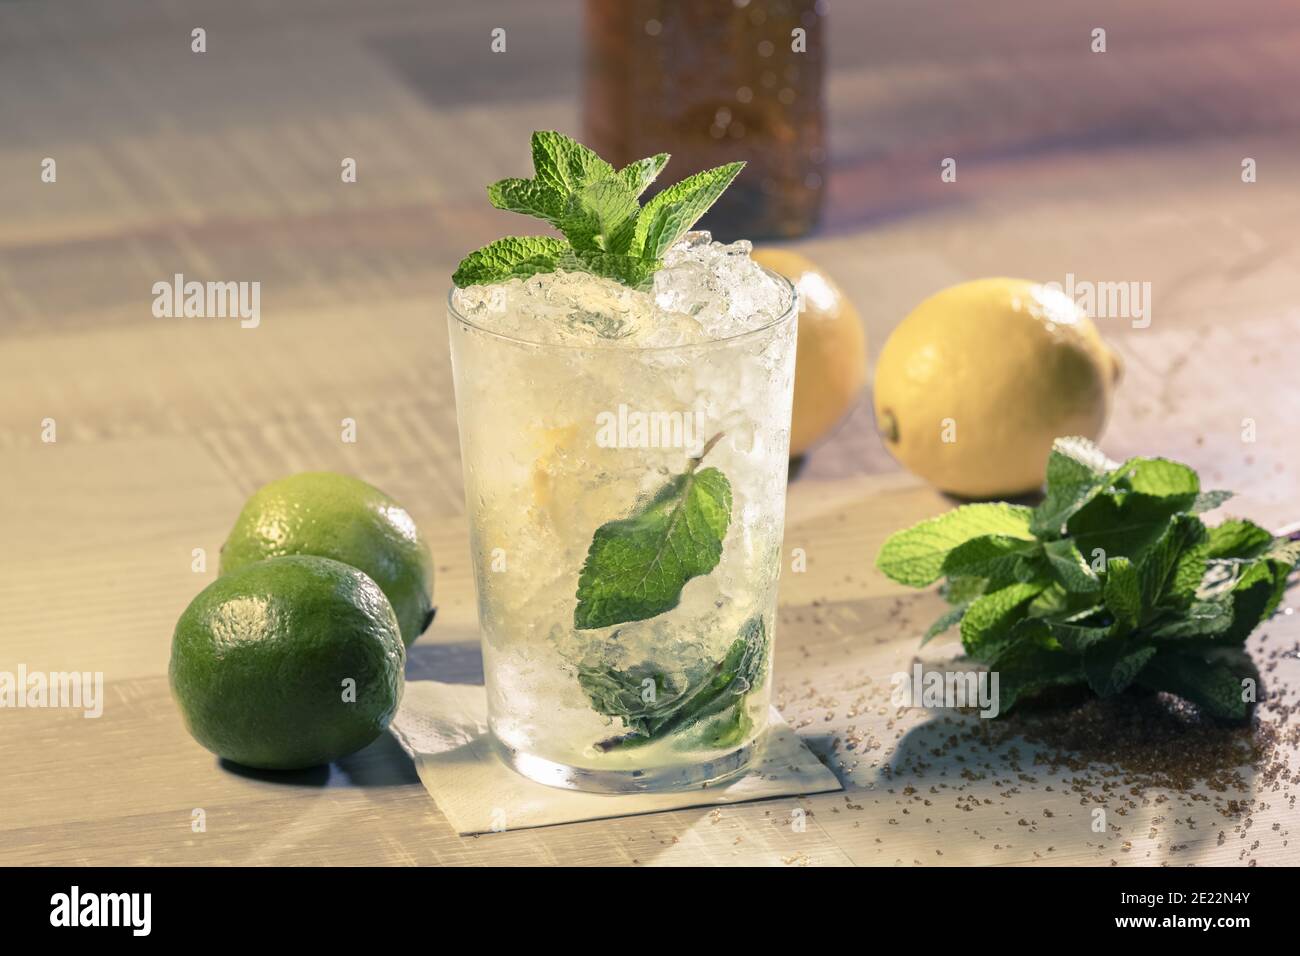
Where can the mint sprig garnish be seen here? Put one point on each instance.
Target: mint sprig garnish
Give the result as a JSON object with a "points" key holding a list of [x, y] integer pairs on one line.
{"points": [[515, 257], [1111, 582], [607, 232], [637, 566], [651, 703]]}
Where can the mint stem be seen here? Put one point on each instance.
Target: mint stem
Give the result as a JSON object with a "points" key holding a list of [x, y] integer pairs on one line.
{"points": [[708, 447]]}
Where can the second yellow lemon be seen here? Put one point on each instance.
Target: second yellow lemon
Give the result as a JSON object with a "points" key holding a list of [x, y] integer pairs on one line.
{"points": [[831, 361], [973, 386]]}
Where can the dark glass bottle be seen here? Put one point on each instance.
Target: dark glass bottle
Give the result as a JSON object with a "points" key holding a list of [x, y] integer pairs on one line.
{"points": [[714, 81]]}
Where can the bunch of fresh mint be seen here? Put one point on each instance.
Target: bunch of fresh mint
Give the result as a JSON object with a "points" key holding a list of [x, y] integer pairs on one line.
{"points": [[606, 230], [1111, 582]]}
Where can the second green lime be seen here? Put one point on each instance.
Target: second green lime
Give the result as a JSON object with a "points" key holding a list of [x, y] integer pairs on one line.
{"points": [[335, 516]]}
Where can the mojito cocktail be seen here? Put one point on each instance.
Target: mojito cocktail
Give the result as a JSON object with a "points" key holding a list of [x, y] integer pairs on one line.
{"points": [[625, 455]]}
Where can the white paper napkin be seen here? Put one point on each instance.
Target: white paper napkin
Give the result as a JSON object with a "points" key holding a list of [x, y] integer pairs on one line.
{"points": [[444, 729]]}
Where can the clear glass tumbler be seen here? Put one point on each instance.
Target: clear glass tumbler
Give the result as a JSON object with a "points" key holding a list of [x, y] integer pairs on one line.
{"points": [[678, 453]]}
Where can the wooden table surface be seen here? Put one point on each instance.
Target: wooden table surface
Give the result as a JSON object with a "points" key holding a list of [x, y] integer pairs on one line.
{"points": [[1114, 167]]}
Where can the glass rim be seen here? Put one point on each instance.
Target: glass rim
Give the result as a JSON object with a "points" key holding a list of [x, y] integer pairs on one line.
{"points": [[791, 311]]}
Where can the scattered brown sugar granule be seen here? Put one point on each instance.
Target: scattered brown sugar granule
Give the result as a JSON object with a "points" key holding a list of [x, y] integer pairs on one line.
{"points": [[1168, 781], [1156, 740]]}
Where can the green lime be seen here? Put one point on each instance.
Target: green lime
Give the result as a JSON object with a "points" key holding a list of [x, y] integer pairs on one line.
{"points": [[335, 516], [288, 663]]}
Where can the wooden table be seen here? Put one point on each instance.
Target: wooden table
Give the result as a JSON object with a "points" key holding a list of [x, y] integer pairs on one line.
{"points": [[1114, 167]]}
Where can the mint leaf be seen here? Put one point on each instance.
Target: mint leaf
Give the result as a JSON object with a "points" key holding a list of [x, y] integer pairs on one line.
{"points": [[670, 214], [1159, 478], [600, 217], [1185, 582], [915, 556], [1122, 525], [993, 556], [1026, 669], [509, 258], [1112, 666], [1070, 568], [1208, 501], [946, 622], [1076, 472], [989, 619], [564, 165], [1257, 593], [1236, 538], [1057, 603], [727, 730], [637, 567], [529, 198], [651, 705], [628, 270], [1122, 594], [639, 175], [963, 590], [642, 696], [1158, 565], [1084, 452], [1211, 681], [1203, 620], [1081, 631]]}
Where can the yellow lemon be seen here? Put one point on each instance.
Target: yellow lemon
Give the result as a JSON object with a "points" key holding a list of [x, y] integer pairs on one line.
{"points": [[973, 386], [831, 363]]}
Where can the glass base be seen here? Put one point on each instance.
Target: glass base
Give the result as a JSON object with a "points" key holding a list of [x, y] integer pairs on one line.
{"points": [[697, 776]]}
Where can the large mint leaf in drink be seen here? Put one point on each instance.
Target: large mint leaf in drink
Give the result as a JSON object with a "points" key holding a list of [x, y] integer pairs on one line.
{"points": [[509, 258], [651, 704], [643, 696], [636, 567]]}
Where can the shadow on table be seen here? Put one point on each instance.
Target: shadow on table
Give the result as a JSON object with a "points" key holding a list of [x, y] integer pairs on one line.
{"points": [[1149, 762], [458, 663], [380, 764]]}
